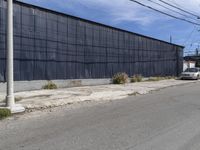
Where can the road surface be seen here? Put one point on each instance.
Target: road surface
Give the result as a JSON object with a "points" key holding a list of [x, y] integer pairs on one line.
{"points": [[168, 119]]}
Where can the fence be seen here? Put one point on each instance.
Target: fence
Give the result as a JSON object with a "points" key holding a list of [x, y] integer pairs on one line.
{"points": [[50, 45]]}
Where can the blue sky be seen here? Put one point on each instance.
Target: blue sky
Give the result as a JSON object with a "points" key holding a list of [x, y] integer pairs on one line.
{"points": [[130, 16]]}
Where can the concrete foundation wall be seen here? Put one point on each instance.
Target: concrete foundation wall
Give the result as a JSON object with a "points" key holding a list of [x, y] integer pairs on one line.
{"points": [[36, 85]]}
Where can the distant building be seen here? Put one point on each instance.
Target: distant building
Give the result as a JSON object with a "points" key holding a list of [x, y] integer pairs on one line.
{"points": [[188, 64], [195, 58]]}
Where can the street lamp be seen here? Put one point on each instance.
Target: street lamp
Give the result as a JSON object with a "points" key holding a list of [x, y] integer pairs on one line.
{"points": [[10, 99]]}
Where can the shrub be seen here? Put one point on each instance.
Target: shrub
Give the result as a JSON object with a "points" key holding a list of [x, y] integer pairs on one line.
{"points": [[133, 79], [4, 113], [120, 78], [136, 78], [50, 85]]}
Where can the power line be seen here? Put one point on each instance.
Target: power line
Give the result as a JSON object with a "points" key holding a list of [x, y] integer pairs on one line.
{"points": [[173, 2], [172, 10], [178, 5], [189, 36], [191, 22], [192, 42], [198, 17]]}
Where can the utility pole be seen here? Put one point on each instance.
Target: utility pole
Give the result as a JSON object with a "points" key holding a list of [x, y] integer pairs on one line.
{"points": [[10, 99], [197, 52], [9, 68], [170, 39]]}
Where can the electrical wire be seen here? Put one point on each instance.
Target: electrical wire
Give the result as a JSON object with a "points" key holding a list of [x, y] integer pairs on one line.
{"points": [[164, 13], [172, 10], [191, 47], [178, 5], [189, 36], [198, 17]]}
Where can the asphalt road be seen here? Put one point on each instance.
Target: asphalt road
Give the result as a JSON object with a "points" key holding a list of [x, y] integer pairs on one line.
{"points": [[168, 119]]}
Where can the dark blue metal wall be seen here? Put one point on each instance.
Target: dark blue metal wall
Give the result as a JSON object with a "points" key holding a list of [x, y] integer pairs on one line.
{"points": [[50, 45]]}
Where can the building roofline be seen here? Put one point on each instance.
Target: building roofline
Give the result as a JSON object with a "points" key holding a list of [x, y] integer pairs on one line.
{"points": [[89, 21]]}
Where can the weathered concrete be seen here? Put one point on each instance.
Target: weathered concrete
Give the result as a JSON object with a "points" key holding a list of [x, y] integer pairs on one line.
{"points": [[42, 99]]}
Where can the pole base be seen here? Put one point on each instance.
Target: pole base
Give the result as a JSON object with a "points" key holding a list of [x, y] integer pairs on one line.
{"points": [[17, 108]]}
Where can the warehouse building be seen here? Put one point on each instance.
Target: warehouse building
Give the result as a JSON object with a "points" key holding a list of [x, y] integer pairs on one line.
{"points": [[51, 45]]}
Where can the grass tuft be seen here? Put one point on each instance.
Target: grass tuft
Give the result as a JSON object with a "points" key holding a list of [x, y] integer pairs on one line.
{"points": [[50, 86], [4, 113]]}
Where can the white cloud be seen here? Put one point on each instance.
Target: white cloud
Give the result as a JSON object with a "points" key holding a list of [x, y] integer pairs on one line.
{"points": [[118, 11]]}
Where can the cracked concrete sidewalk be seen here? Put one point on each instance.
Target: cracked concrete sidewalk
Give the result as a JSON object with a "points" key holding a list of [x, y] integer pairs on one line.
{"points": [[42, 99]]}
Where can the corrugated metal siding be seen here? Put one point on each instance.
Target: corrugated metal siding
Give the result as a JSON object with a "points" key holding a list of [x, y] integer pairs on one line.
{"points": [[50, 45]]}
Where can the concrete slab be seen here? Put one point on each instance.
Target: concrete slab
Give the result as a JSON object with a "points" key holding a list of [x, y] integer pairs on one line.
{"points": [[42, 99]]}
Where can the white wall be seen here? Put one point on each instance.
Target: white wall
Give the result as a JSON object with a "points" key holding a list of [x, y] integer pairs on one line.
{"points": [[188, 64]]}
